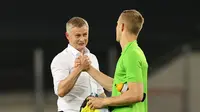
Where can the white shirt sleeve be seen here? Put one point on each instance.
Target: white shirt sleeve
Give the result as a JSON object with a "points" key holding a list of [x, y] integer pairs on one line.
{"points": [[59, 73], [100, 89]]}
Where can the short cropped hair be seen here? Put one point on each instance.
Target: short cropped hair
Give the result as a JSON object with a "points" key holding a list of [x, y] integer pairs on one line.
{"points": [[133, 19], [76, 22]]}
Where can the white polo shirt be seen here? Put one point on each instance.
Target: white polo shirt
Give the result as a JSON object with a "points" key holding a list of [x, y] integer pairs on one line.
{"points": [[61, 66]]}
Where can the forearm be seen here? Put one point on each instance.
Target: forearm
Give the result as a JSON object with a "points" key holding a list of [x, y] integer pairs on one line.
{"points": [[101, 78], [68, 83], [124, 99]]}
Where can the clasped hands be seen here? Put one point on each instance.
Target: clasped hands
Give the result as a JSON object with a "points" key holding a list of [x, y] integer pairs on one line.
{"points": [[82, 62]]}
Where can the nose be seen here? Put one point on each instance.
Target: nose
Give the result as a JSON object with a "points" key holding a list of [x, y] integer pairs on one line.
{"points": [[82, 38]]}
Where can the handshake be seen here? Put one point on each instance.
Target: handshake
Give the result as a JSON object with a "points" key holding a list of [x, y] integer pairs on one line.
{"points": [[82, 62]]}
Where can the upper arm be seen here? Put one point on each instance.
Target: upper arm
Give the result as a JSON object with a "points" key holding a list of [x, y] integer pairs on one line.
{"points": [[59, 73], [137, 89]]}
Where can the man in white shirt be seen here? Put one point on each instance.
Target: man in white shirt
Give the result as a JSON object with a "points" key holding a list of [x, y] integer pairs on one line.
{"points": [[71, 84]]}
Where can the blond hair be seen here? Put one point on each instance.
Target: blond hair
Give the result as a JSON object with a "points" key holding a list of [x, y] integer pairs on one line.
{"points": [[133, 19]]}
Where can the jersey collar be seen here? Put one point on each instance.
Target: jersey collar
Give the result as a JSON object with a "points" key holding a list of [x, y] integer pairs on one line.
{"points": [[128, 45]]}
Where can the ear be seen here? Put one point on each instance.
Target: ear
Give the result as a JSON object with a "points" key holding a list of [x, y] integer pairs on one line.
{"points": [[67, 35], [122, 27]]}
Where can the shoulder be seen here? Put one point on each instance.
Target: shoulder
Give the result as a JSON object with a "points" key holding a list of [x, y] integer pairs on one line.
{"points": [[93, 55], [133, 52], [56, 58], [94, 60], [133, 55], [90, 54], [61, 57]]}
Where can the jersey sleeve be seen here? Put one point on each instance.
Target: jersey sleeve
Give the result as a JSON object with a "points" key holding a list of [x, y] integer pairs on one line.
{"points": [[133, 67], [58, 73]]}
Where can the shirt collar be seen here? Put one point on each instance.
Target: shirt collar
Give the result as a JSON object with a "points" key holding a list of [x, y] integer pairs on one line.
{"points": [[75, 52], [128, 45]]}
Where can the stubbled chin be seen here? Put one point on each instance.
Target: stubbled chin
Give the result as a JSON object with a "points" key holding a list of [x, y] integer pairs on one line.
{"points": [[81, 47]]}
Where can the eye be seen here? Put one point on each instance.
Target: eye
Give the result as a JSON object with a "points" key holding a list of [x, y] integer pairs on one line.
{"points": [[77, 35], [85, 34]]}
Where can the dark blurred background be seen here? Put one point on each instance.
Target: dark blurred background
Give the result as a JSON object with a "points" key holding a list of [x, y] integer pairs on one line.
{"points": [[27, 25]]}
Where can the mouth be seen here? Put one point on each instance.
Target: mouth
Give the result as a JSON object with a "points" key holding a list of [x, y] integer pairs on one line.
{"points": [[81, 44]]}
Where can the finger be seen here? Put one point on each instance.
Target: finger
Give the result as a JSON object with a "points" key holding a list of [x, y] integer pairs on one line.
{"points": [[86, 57], [79, 57], [77, 61], [77, 64], [90, 98], [89, 103], [92, 107]]}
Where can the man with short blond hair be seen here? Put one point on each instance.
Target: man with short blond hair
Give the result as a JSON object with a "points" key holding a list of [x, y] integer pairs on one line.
{"points": [[129, 85]]}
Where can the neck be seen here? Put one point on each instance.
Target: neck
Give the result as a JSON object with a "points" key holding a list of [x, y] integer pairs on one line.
{"points": [[126, 38], [80, 50]]}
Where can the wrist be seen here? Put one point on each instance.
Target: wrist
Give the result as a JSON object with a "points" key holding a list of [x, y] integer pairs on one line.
{"points": [[78, 69], [106, 102], [90, 68]]}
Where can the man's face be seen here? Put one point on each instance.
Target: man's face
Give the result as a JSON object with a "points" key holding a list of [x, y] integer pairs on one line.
{"points": [[78, 37], [118, 31]]}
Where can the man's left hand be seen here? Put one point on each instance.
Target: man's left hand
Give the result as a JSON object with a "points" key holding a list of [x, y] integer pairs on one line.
{"points": [[95, 102]]}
